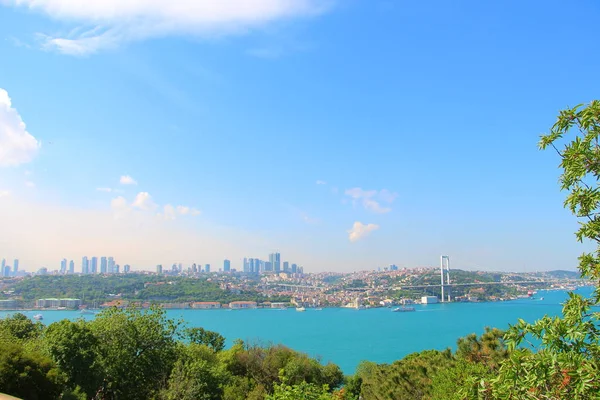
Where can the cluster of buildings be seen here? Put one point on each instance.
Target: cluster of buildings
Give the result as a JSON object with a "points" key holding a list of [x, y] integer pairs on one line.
{"points": [[107, 265], [257, 266], [6, 271]]}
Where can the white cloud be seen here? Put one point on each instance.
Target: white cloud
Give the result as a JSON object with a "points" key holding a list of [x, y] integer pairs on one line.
{"points": [[107, 23], [319, 182], [30, 184], [370, 199], [360, 230], [17, 146], [195, 212], [104, 189], [144, 202], [127, 180], [4, 193]]}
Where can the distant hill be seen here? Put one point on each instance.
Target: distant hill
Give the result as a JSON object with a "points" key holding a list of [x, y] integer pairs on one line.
{"points": [[562, 274]]}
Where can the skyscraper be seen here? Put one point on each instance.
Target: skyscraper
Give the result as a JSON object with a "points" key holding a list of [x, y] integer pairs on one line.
{"points": [[63, 266], [126, 268], [226, 266], [71, 267], [116, 269], [275, 260], [3, 266], [207, 268], [111, 265], [286, 267], [246, 266], [94, 265], [103, 265], [15, 266], [159, 269], [294, 268], [85, 267]]}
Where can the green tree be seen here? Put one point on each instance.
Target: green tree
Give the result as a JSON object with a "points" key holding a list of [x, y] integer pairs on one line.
{"points": [[20, 327], [28, 375], [136, 351], [566, 359], [211, 339], [73, 346], [197, 374]]}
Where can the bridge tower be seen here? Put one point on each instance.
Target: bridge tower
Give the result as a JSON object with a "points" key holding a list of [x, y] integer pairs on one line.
{"points": [[445, 280]]}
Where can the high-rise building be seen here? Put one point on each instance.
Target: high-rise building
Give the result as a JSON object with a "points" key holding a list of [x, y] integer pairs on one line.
{"points": [[275, 260], [63, 266], [159, 269], [71, 267], [207, 268], [116, 269], [110, 265], [226, 266], [246, 265], [3, 266], [85, 267], [42, 271], [194, 268], [103, 265], [6, 271], [268, 266], [126, 268], [294, 268], [15, 266], [94, 265], [286, 267]]}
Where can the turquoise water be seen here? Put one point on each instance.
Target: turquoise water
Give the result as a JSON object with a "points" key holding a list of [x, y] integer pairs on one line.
{"points": [[346, 336]]}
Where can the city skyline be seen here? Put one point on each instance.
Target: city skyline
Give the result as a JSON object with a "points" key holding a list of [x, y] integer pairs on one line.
{"points": [[282, 126]]}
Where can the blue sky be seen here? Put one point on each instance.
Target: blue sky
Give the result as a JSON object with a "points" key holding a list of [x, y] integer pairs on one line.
{"points": [[345, 134]]}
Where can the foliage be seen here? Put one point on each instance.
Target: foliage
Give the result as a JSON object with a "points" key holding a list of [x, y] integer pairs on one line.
{"points": [[567, 350], [136, 350], [211, 339], [18, 326], [301, 391], [197, 374], [28, 375]]}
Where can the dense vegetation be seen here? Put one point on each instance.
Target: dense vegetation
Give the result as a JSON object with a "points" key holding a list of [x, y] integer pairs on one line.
{"points": [[135, 287]]}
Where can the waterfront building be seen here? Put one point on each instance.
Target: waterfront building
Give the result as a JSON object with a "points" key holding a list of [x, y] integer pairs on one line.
{"points": [[239, 305], [103, 265], [226, 266], [56, 303], [429, 299], [71, 267], [206, 305], [8, 304]]}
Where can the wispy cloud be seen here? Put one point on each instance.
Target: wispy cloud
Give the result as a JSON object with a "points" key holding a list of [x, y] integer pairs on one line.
{"points": [[371, 199], [29, 184], [360, 230], [17, 146], [108, 23], [104, 189], [144, 201], [4, 193], [127, 180], [320, 182]]}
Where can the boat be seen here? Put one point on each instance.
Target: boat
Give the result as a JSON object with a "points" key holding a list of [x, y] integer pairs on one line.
{"points": [[38, 317], [86, 311], [319, 309], [403, 309], [300, 309]]}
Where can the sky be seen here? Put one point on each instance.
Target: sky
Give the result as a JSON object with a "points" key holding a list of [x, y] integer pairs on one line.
{"points": [[345, 134]]}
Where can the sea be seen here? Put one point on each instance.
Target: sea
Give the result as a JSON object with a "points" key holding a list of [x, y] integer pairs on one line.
{"points": [[348, 336]]}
